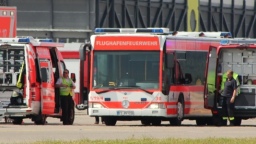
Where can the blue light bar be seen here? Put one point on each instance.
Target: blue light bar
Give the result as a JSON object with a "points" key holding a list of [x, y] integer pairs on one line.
{"points": [[45, 40], [24, 40], [102, 30], [132, 30], [224, 42], [153, 30]]}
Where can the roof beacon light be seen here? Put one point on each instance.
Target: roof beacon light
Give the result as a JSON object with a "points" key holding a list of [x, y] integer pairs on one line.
{"points": [[45, 40], [133, 30], [24, 40], [224, 42]]}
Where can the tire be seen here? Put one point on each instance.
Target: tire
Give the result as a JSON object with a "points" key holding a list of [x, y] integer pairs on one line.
{"points": [[17, 121], [180, 113], [201, 121], [156, 122], [145, 122], [110, 121], [40, 120], [237, 121]]}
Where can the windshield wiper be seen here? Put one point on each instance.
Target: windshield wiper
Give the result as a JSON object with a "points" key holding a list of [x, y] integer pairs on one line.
{"points": [[137, 87], [106, 90]]}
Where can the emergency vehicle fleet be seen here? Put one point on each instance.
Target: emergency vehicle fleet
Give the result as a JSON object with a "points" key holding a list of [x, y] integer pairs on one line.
{"points": [[146, 74], [8, 18], [33, 66]]}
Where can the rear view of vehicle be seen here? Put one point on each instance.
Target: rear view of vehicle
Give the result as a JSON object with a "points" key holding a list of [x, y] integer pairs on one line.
{"points": [[238, 55], [29, 71]]}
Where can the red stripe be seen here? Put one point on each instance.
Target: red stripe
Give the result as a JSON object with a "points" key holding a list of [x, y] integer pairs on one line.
{"points": [[70, 55], [132, 105], [172, 111], [185, 88]]}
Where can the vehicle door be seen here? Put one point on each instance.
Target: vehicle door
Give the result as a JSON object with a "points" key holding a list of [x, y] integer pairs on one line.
{"points": [[47, 81], [210, 85]]}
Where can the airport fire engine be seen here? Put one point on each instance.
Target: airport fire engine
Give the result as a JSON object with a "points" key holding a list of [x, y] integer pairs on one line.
{"points": [[146, 74]]}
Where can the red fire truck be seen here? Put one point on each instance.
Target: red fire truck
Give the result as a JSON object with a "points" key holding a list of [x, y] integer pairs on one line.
{"points": [[34, 67], [238, 55], [146, 74]]}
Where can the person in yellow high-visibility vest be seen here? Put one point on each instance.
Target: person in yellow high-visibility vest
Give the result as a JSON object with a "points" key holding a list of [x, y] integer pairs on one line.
{"points": [[224, 79], [66, 86], [229, 95]]}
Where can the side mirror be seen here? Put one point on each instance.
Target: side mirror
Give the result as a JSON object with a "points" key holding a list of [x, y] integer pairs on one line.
{"points": [[73, 77], [188, 78], [82, 50]]}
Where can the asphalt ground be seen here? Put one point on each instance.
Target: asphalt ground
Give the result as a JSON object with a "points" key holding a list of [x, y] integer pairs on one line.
{"points": [[84, 128]]}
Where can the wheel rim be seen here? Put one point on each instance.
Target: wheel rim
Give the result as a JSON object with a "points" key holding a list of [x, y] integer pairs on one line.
{"points": [[180, 111]]}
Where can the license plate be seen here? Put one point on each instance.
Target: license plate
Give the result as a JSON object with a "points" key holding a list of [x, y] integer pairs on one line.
{"points": [[125, 113]]}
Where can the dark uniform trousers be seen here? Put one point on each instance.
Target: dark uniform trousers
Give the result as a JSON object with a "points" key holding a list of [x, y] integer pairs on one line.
{"points": [[67, 104], [228, 109]]}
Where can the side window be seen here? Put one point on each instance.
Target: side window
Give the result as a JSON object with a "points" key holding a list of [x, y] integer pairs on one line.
{"points": [[45, 70], [194, 64], [45, 74]]}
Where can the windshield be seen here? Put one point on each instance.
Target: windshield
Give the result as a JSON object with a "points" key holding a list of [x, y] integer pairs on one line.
{"points": [[126, 69]]}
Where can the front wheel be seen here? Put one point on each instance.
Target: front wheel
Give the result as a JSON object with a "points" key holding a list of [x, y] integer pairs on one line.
{"points": [[156, 122], [145, 122], [180, 114], [110, 121], [17, 121]]}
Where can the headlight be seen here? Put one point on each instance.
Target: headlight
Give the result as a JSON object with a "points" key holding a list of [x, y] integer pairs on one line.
{"points": [[96, 105], [156, 106]]}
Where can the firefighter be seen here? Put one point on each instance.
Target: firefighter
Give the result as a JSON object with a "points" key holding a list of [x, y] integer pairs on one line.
{"points": [[224, 79], [229, 95], [66, 86]]}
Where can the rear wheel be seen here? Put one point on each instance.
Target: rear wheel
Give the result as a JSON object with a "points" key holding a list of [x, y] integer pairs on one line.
{"points": [[17, 121], [237, 121], [145, 122], [40, 120], [110, 121], [180, 113], [201, 122]]}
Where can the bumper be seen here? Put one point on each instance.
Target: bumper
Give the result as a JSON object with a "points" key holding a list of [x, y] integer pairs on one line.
{"points": [[129, 112], [17, 111]]}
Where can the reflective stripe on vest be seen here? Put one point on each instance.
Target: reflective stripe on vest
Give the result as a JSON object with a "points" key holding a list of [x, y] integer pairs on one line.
{"points": [[66, 91]]}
